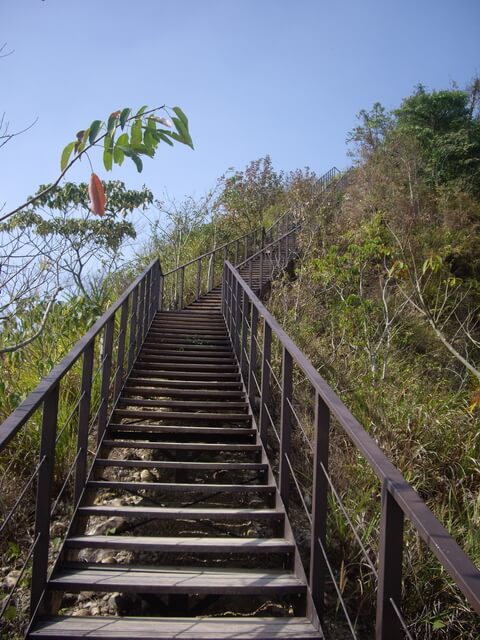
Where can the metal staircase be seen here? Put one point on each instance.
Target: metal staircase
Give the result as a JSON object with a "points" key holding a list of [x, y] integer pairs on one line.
{"points": [[185, 484]]}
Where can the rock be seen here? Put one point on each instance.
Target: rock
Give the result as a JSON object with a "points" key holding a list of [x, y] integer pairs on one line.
{"points": [[81, 612], [11, 579], [147, 476], [106, 526], [108, 560]]}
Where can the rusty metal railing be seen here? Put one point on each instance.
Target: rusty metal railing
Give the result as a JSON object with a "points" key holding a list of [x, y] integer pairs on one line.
{"points": [[295, 410], [58, 435]]}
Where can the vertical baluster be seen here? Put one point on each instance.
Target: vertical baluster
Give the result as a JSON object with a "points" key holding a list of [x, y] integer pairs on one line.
{"points": [[266, 391], [245, 248], [286, 425], [199, 278], [230, 306], [252, 390], [390, 556], [250, 273], [181, 282], [212, 270], [146, 309], [121, 351], [161, 287], [260, 291], [84, 420], [44, 497], [236, 252], [106, 372], [238, 317], [140, 315], [133, 329], [319, 503], [243, 353]]}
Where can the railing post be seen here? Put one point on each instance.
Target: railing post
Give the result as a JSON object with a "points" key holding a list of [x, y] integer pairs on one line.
{"points": [[230, 306], [252, 391], [44, 497], [211, 275], [106, 372], [146, 306], [199, 278], [245, 248], [243, 354], [84, 420], [238, 314], [390, 557], [140, 313], [266, 392], [237, 243], [319, 503], [133, 329], [181, 277], [161, 287], [286, 426], [250, 273], [121, 351]]}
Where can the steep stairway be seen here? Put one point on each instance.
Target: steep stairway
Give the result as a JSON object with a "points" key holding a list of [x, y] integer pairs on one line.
{"points": [[181, 519]]}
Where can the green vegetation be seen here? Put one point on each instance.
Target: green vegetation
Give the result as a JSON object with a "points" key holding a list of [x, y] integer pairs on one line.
{"points": [[384, 300]]}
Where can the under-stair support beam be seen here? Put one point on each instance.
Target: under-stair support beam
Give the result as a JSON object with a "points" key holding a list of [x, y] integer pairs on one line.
{"points": [[84, 420], [44, 497], [318, 569], [286, 426], [389, 589]]}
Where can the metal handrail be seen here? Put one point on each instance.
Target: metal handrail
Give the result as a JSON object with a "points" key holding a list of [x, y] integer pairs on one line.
{"points": [[399, 499]]}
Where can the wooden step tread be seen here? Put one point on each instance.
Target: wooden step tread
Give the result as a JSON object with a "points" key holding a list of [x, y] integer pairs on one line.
{"points": [[183, 446], [192, 466], [174, 580], [159, 428], [183, 385], [177, 487], [182, 415], [160, 392], [180, 374], [172, 544], [184, 404], [187, 513], [136, 628]]}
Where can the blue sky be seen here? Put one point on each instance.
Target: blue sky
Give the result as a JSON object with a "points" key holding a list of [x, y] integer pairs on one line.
{"points": [[281, 77]]}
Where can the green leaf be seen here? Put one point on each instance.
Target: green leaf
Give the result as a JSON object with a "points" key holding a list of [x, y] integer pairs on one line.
{"points": [[136, 132], [10, 613], [118, 155], [165, 137], [83, 141], [108, 152], [124, 116], [112, 120], [181, 115], [94, 129], [66, 153], [141, 110], [138, 162], [183, 132]]}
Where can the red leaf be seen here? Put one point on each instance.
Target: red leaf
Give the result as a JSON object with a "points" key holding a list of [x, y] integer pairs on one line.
{"points": [[97, 195]]}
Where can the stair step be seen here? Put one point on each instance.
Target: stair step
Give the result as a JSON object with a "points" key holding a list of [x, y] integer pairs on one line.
{"points": [[182, 415], [186, 353], [179, 513], [179, 345], [181, 358], [221, 628], [184, 384], [186, 366], [177, 487], [173, 580], [181, 393], [196, 405], [190, 466], [183, 446], [181, 374], [164, 429], [182, 544]]}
